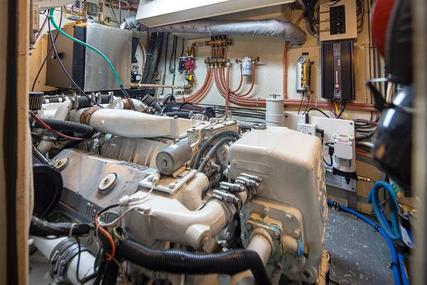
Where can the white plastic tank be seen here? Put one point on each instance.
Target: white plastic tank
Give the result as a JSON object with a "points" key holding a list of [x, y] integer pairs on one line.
{"points": [[274, 115]]}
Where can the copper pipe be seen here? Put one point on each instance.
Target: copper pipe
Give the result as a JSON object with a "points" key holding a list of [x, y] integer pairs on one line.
{"points": [[253, 83], [259, 102], [203, 92], [247, 102], [196, 96], [285, 72], [356, 106], [222, 78], [241, 80], [227, 98]]}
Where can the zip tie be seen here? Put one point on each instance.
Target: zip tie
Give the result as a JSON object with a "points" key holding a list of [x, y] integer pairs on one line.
{"points": [[70, 234]]}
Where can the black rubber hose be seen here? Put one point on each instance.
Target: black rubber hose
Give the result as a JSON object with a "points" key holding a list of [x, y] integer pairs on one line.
{"points": [[213, 150], [67, 126], [152, 102], [42, 228], [110, 274], [100, 268], [179, 114], [209, 142], [184, 262]]}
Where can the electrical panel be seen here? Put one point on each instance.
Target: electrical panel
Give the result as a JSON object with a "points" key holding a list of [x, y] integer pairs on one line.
{"points": [[338, 20], [338, 70]]}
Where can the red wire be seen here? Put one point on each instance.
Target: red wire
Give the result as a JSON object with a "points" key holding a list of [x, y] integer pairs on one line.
{"points": [[46, 126], [107, 235]]}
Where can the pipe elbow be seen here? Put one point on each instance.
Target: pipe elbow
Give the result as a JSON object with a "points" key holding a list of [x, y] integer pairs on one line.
{"points": [[288, 31], [129, 23]]}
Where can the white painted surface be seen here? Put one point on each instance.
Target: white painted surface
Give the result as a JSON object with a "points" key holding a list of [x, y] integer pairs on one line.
{"points": [[163, 12], [269, 72], [274, 111], [132, 124], [290, 166]]}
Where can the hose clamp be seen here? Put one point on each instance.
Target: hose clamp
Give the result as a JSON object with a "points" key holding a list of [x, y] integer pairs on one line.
{"points": [[128, 104], [61, 257], [87, 114]]}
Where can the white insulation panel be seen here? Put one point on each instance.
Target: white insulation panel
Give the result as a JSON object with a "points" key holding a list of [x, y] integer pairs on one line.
{"points": [[163, 12]]}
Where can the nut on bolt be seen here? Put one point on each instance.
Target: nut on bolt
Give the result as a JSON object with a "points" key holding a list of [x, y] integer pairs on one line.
{"points": [[60, 164], [296, 234]]}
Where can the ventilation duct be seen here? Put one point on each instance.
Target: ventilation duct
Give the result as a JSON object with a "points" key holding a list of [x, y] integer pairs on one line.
{"points": [[270, 28]]}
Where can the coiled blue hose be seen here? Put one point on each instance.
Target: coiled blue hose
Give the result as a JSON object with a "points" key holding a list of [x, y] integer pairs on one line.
{"points": [[403, 273], [392, 228], [397, 265]]}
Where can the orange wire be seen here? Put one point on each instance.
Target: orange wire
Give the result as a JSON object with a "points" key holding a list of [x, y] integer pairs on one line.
{"points": [[240, 82], [107, 235]]}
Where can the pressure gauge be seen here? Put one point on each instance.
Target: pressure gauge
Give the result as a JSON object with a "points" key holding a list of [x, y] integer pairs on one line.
{"points": [[303, 73]]}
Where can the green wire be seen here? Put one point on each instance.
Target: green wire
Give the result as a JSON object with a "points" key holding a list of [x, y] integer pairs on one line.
{"points": [[102, 55]]}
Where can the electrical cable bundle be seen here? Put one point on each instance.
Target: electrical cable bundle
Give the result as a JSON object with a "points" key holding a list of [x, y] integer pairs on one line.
{"points": [[239, 112], [153, 52], [336, 111], [311, 15], [364, 130], [360, 11], [207, 145]]}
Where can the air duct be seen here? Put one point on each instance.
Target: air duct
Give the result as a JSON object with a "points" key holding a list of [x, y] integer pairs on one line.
{"points": [[269, 28]]}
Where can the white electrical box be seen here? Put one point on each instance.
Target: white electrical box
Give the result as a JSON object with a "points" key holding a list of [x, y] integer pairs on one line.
{"points": [[308, 129], [164, 12], [343, 146], [336, 132], [338, 20]]}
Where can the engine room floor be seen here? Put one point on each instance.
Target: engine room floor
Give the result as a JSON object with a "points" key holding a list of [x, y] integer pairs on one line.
{"points": [[359, 255]]}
